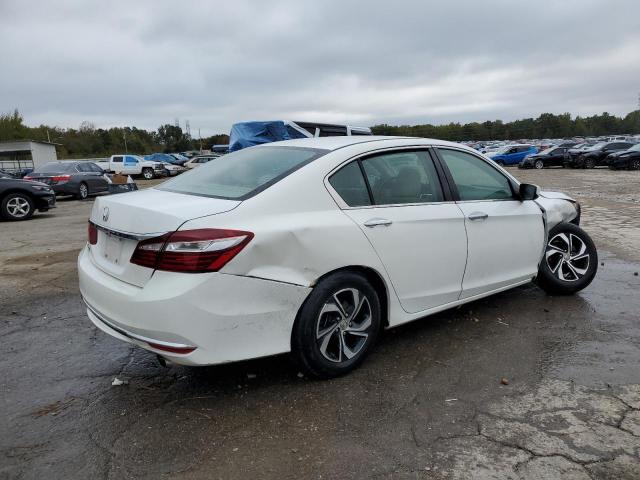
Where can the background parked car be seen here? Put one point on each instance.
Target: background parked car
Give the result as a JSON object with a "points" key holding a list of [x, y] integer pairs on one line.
{"points": [[512, 154], [19, 198], [180, 159], [132, 165], [200, 160], [164, 157], [79, 179], [172, 169], [577, 150], [625, 159], [595, 156], [551, 157]]}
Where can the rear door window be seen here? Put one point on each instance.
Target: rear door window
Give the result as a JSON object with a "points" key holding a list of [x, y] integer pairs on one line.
{"points": [[402, 177]]}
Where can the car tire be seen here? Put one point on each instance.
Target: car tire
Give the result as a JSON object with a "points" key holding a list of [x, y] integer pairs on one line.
{"points": [[589, 163], [500, 162], [539, 164], [570, 261], [83, 191], [147, 173], [17, 206], [336, 326], [634, 164]]}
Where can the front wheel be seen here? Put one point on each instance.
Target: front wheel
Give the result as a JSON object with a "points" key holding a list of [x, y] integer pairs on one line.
{"points": [[500, 162], [589, 163], [17, 206], [635, 164], [147, 173], [539, 164], [570, 261], [336, 326]]}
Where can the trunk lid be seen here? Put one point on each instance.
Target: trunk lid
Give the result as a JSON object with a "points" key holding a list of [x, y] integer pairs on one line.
{"points": [[124, 219]]}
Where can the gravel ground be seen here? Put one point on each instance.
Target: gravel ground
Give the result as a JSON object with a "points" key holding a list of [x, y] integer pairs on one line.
{"points": [[517, 386]]}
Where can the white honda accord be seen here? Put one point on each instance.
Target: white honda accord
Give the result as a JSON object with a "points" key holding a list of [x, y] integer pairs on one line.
{"points": [[313, 246]]}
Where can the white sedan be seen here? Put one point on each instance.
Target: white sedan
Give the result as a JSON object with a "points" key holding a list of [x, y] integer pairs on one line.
{"points": [[313, 246]]}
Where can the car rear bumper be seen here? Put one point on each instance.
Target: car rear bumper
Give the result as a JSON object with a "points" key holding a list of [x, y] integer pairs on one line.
{"points": [[225, 317]]}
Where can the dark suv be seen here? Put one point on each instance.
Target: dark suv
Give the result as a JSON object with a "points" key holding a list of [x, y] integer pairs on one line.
{"points": [[595, 156], [625, 159]]}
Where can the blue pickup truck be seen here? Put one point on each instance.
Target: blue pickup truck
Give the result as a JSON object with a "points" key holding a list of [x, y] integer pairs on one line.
{"points": [[512, 154]]}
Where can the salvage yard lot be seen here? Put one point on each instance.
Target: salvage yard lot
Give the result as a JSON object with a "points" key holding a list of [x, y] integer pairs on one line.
{"points": [[429, 403]]}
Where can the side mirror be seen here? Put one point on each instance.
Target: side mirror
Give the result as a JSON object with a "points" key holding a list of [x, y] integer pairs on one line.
{"points": [[528, 192]]}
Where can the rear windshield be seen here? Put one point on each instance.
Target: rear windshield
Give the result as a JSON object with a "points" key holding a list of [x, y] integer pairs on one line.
{"points": [[242, 174], [56, 168]]}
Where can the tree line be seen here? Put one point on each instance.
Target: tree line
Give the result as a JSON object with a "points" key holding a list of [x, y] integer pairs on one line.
{"points": [[546, 125], [88, 141]]}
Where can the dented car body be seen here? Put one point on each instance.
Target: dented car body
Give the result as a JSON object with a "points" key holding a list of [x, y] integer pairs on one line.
{"points": [[216, 265]]}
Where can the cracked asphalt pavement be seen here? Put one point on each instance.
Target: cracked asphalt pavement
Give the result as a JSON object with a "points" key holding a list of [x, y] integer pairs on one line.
{"points": [[520, 385]]}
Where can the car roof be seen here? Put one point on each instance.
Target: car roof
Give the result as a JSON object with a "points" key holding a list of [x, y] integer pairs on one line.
{"points": [[335, 143]]}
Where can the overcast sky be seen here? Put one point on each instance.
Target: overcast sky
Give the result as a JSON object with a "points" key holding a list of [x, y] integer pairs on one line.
{"points": [[146, 63]]}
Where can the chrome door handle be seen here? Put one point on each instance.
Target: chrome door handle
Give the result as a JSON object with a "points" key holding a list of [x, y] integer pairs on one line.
{"points": [[377, 222], [477, 216]]}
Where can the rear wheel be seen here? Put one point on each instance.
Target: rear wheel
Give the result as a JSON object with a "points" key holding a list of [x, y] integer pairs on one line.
{"points": [[17, 206], [570, 261], [589, 163], [83, 191], [635, 164], [147, 173], [539, 164], [336, 326]]}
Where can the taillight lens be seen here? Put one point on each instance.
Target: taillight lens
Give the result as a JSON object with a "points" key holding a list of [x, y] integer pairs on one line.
{"points": [[191, 251], [92, 233], [27, 178], [60, 178]]}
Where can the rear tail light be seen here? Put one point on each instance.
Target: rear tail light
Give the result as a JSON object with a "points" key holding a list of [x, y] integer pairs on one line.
{"points": [[192, 251], [27, 178], [92, 234], [60, 178]]}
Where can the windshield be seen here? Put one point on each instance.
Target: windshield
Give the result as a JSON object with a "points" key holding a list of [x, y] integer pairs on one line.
{"points": [[548, 150], [504, 149], [635, 148], [597, 146], [56, 168], [242, 174]]}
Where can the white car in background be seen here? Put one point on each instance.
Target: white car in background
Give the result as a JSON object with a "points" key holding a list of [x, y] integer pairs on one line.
{"points": [[173, 169], [313, 246], [200, 160]]}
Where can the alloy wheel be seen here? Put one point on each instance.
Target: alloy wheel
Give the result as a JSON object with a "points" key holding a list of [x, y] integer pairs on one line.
{"points": [[343, 325], [635, 164], [18, 207], [83, 191], [539, 164], [147, 174], [567, 257]]}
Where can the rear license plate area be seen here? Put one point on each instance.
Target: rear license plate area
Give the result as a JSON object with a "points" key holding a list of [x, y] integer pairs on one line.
{"points": [[112, 249]]}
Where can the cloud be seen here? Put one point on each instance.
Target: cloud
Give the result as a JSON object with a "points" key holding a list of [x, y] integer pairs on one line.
{"points": [[146, 63]]}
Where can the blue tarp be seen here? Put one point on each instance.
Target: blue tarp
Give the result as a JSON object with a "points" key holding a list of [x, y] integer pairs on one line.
{"points": [[248, 134]]}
